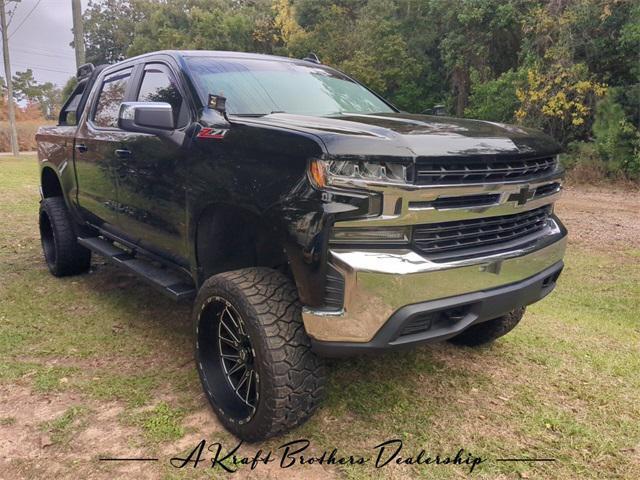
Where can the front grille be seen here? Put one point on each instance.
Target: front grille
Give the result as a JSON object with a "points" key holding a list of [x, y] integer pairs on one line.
{"points": [[464, 170], [548, 189], [464, 201], [436, 238]]}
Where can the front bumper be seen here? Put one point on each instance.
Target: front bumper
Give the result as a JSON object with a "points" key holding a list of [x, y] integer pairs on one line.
{"points": [[387, 290]]}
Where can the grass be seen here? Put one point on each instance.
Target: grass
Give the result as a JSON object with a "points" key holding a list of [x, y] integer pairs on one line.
{"points": [[565, 384], [135, 390], [62, 428], [160, 424]]}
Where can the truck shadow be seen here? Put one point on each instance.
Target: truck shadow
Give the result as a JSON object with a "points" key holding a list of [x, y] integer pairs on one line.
{"points": [[397, 388]]}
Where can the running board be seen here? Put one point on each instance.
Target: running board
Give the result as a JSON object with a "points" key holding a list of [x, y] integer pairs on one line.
{"points": [[164, 280]]}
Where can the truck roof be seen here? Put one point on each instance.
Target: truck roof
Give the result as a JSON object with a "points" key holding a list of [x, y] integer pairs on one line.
{"points": [[218, 54]]}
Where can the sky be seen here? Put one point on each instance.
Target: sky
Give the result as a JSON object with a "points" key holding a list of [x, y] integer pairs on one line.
{"points": [[42, 41]]}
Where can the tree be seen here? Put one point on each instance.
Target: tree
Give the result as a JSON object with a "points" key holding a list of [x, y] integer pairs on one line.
{"points": [[46, 95], [495, 100], [203, 24], [109, 27], [68, 88]]}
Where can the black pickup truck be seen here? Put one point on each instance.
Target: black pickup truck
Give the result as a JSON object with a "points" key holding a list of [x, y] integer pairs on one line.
{"points": [[306, 215]]}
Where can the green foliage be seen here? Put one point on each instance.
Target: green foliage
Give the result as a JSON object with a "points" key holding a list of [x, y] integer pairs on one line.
{"points": [[109, 27], [616, 138], [495, 100], [560, 100], [46, 95], [69, 87], [200, 24]]}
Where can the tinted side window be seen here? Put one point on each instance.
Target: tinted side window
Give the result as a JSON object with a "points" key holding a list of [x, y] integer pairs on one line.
{"points": [[157, 86], [111, 96]]}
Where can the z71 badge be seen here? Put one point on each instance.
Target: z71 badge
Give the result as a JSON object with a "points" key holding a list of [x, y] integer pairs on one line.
{"points": [[216, 133]]}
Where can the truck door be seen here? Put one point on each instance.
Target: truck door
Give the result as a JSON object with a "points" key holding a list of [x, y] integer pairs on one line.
{"points": [[151, 175], [99, 143]]}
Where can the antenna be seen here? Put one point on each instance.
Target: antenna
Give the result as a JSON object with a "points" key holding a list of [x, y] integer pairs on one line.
{"points": [[312, 57]]}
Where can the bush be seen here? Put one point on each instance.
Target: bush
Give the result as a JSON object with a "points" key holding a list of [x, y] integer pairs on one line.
{"points": [[495, 100], [559, 100], [584, 164], [616, 138]]}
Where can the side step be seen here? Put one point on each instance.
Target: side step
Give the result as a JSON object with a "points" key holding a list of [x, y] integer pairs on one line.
{"points": [[167, 282]]}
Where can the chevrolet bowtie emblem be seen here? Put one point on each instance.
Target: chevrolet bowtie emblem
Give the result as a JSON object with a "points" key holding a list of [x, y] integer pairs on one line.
{"points": [[523, 196]]}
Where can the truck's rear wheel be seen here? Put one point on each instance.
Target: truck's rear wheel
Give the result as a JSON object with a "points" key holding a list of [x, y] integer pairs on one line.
{"points": [[487, 332], [62, 252], [253, 354]]}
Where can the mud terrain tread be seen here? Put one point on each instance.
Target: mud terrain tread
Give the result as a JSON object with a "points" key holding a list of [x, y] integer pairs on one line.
{"points": [[71, 257], [296, 376]]}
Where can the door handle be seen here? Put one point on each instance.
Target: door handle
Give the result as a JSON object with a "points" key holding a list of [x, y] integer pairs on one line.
{"points": [[123, 153], [81, 147]]}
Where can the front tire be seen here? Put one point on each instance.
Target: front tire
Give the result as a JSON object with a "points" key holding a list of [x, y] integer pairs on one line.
{"points": [[486, 332], [62, 252], [253, 354]]}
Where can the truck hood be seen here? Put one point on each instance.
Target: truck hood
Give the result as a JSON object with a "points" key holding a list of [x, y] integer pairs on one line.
{"points": [[410, 136]]}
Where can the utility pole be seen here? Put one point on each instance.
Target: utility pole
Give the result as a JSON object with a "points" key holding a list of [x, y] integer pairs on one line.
{"points": [[78, 32], [13, 133]]}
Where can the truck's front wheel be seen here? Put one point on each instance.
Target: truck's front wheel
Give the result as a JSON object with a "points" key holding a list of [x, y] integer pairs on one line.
{"points": [[253, 354], [62, 252]]}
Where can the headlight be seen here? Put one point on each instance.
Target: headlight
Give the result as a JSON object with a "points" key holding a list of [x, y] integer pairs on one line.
{"points": [[335, 172]]}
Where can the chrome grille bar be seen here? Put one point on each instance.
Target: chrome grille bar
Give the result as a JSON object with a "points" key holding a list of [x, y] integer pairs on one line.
{"points": [[443, 171]]}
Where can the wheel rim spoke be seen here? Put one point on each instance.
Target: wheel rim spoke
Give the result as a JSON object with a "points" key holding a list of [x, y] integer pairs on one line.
{"points": [[230, 357], [236, 356], [238, 366], [246, 398], [237, 326], [244, 378], [229, 342], [233, 335]]}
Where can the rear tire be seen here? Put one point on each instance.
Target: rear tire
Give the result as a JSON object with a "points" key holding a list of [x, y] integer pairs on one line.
{"points": [[249, 320], [487, 332], [62, 252]]}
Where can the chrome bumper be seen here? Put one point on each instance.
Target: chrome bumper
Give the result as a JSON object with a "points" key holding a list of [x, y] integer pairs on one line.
{"points": [[378, 283]]}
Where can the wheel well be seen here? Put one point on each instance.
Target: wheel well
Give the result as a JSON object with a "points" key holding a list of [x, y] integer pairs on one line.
{"points": [[229, 238], [50, 184]]}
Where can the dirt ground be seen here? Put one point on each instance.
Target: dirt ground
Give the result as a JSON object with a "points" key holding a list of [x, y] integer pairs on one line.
{"points": [[60, 432], [599, 218]]}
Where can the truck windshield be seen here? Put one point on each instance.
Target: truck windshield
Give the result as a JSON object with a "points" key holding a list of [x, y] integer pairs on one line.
{"points": [[261, 87]]}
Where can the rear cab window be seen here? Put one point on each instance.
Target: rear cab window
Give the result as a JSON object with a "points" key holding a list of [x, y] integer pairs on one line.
{"points": [[69, 113]]}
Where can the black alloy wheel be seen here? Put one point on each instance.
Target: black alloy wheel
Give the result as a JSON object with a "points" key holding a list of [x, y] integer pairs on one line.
{"points": [[253, 354], [229, 359]]}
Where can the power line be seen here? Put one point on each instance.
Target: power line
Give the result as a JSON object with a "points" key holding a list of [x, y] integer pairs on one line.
{"points": [[38, 67], [43, 53], [40, 49], [25, 18]]}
